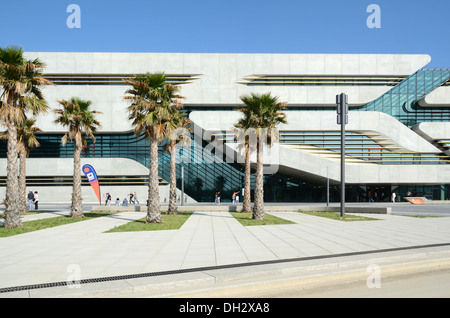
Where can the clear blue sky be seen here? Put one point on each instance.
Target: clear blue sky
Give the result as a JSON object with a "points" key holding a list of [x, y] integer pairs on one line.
{"points": [[236, 26]]}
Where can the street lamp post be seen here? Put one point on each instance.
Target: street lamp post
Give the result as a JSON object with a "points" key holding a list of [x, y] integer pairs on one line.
{"points": [[182, 185], [328, 187], [342, 119]]}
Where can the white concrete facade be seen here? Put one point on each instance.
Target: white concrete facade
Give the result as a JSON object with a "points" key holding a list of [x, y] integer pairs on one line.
{"points": [[437, 98], [218, 77]]}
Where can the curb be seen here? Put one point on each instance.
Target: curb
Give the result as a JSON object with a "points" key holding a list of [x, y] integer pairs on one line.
{"points": [[225, 208]]}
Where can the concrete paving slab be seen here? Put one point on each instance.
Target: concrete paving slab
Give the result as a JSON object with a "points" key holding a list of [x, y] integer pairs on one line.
{"points": [[207, 239]]}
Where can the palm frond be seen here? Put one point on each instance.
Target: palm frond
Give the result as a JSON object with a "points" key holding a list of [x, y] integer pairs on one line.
{"points": [[153, 104], [78, 118], [263, 113]]}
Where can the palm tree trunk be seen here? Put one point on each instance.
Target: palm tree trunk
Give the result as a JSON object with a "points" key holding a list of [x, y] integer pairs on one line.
{"points": [[173, 181], [22, 180], [153, 212], [12, 212], [246, 206], [77, 207], [258, 209]]}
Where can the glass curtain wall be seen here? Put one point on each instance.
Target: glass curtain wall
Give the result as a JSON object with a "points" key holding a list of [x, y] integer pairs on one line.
{"points": [[401, 101]]}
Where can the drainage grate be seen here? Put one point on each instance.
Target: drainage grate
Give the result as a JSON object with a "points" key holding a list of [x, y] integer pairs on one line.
{"points": [[206, 268]]}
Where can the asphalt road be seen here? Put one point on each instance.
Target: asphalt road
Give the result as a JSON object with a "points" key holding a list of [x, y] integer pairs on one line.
{"points": [[433, 284], [431, 210]]}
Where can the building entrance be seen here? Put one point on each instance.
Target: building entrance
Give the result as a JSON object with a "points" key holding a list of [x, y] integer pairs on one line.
{"points": [[377, 193]]}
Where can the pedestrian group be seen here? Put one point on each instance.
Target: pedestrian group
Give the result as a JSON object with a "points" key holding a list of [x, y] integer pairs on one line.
{"points": [[33, 200], [130, 198], [234, 198]]}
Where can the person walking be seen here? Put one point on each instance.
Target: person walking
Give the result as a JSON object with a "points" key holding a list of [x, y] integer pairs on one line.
{"points": [[393, 197], [108, 199], [233, 197], [135, 199], [36, 200], [30, 198], [131, 195]]}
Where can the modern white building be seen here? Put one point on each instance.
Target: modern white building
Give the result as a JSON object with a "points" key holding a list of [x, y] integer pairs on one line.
{"points": [[398, 131]]}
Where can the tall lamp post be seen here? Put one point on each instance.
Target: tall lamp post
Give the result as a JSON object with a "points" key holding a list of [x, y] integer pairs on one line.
{"points": [[342, 119], [328, 187], [182, 185]]}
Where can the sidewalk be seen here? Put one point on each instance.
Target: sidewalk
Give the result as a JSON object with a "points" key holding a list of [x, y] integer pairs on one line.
{"points": [[210, 248]]}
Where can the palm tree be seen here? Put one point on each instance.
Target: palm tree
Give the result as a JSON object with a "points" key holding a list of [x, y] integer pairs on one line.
{"points": [[264, 114], [245, 134], [153, 101], [177, 137], [26, 141], [80, 120], [20, 80]]}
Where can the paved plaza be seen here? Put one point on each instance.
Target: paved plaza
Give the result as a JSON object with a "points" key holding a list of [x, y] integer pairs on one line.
{"points": [[206, 241]]}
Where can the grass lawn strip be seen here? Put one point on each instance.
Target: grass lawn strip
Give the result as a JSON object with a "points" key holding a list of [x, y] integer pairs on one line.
{"points": [[337, 216], [169, 222], [36, 225], [2, 215], [246, 219], [420, 216]]}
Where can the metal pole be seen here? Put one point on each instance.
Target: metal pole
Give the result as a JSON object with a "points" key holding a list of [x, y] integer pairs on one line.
{"points": [[343, 162], [342, 110], [328, 188], [182, 185]]}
